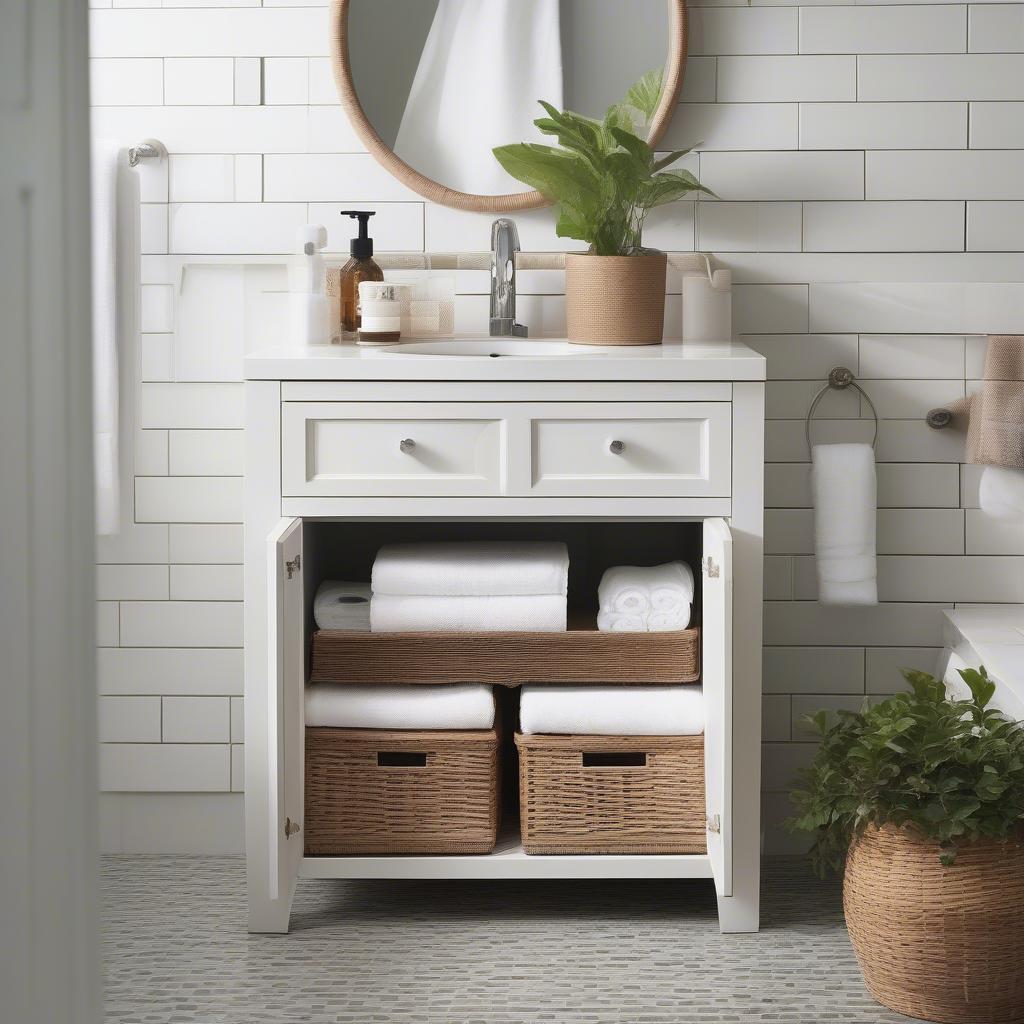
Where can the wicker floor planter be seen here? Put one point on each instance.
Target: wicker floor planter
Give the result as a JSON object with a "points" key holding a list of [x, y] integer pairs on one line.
{"points": [[615, 300], [942, 944], [611, 794], [387, 791]]}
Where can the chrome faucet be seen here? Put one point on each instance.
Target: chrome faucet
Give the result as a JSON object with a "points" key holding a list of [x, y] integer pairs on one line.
{"points": [[504, 246]]}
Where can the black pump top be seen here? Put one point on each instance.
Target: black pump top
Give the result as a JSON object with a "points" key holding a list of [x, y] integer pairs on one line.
{"points": [[360, 247]]}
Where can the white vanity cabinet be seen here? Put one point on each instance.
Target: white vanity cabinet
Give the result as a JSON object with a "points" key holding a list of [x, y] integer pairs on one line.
{"points": [[339, 436]]}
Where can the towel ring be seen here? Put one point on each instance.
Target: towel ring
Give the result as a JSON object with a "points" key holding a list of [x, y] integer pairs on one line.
{"points": [[839, 379]]}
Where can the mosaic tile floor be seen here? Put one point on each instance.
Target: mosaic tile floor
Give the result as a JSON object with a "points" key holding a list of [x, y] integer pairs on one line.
{"points": [[472, 952]]}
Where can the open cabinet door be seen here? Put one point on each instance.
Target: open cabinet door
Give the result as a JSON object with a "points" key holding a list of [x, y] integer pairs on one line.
{"points": [[279, 777], [716, 644]]}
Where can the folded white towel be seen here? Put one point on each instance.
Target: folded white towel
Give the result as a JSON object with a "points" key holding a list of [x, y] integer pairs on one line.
{"points": [[612, 710], [463, 706], [342, 605], [472, 569], [844, 487], [404, 613], [659, 595], [1001, 493]]}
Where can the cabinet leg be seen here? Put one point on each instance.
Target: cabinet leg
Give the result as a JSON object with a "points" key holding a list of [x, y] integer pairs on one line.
{"points": [[736, 914], [269, 916]]}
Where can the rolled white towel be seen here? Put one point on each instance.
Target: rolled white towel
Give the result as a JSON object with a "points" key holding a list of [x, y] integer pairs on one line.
{"points": [[667, 621], [844, 488], [623, 589], [472, 569], [1001, 493], [620, 622], [342, 605], [460, 706], [612, 710], [670, 586], [405, 613]]}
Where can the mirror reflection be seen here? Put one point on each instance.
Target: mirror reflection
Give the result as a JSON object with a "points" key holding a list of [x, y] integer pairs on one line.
{"points": [[445, 81]]}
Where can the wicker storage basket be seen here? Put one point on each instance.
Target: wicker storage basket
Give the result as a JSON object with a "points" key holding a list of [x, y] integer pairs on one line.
{"points": [[943, 944], [389, 791], [612, 794], [506, 659], [615, 300]]}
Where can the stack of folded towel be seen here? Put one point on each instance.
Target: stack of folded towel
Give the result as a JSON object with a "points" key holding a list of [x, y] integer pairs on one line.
{"points": [[472, 586], [338, 706], [612, 710], [645, 599]]}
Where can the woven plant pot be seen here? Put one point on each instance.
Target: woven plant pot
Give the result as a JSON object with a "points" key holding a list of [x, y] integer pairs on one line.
{"points": [[939, 943], [615, 300]]}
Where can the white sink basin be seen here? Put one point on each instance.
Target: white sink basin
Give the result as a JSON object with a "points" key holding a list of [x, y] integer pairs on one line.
{"points": [[489, 348]]}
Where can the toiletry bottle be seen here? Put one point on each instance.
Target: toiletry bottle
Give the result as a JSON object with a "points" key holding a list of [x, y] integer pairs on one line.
{"points": [[359, 268], [308, 307]]}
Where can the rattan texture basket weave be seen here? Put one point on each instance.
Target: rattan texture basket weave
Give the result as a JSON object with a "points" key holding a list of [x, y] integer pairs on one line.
{"points": [[506, 659], [940, 943], [615, 300], [566, 806], [366, 793]]}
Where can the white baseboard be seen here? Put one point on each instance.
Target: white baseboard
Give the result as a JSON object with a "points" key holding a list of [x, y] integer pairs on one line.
{"points": [[205, 823]]}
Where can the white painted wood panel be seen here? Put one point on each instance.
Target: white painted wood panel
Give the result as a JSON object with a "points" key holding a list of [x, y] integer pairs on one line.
{"points": [[667, 449]]}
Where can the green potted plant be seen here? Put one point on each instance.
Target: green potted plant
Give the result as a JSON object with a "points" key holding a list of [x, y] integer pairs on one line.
{"points": [[604, 180], [920, 800]]}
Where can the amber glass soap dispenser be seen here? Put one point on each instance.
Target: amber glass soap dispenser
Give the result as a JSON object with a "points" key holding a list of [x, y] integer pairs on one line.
{"points": [[360, 267]]}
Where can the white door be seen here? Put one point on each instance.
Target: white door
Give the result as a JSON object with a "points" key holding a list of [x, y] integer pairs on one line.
{"points": [[716, 643], [286, 674], [49, 933]]}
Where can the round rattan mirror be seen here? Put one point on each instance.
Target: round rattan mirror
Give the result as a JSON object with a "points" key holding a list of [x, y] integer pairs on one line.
{"points": [[430, 86]]}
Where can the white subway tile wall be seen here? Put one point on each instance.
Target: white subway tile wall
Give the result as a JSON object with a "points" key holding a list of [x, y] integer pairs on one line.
{"points": [[869, 159]]}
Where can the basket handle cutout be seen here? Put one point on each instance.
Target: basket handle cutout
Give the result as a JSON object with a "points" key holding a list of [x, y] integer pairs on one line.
{"points": [[401, 759], [614, 759]]}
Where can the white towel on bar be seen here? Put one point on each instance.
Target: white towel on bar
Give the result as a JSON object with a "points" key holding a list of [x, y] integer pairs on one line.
{"points": [[1001, 493], [844, 488], [472, 568], [612, 710], [410, 613], [113, 280], [342, 605], [338, 706], [660, 596]]}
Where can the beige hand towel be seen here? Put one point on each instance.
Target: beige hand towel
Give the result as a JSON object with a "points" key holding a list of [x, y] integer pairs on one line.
{"points": [[995, 416]]}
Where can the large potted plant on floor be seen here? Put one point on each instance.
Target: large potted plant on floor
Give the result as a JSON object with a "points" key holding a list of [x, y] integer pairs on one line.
{"points": [[605, 179], [921, 799]]}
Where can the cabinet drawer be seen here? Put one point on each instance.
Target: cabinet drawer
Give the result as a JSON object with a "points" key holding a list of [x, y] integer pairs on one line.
{"points": [[650, 449], [378, 448]]}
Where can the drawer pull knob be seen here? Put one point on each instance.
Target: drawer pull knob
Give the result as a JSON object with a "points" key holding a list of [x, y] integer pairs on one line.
{"points": [[617, 447], [406, 445]]}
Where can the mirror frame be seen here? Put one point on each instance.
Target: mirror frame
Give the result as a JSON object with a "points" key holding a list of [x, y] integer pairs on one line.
{"points": [[435, 191]]}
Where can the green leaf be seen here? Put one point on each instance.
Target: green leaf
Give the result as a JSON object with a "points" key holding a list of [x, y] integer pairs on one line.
{"points": [[981, 686], [601, 174], [646, 93]]}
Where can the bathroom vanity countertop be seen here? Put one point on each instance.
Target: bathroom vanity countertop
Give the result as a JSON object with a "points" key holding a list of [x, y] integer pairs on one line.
{"points": [[672, 361]]}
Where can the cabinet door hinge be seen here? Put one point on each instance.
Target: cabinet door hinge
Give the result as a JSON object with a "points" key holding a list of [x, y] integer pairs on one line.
{"points": [[292, 567], [715, 824], [290, 828], [712, 569]]}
